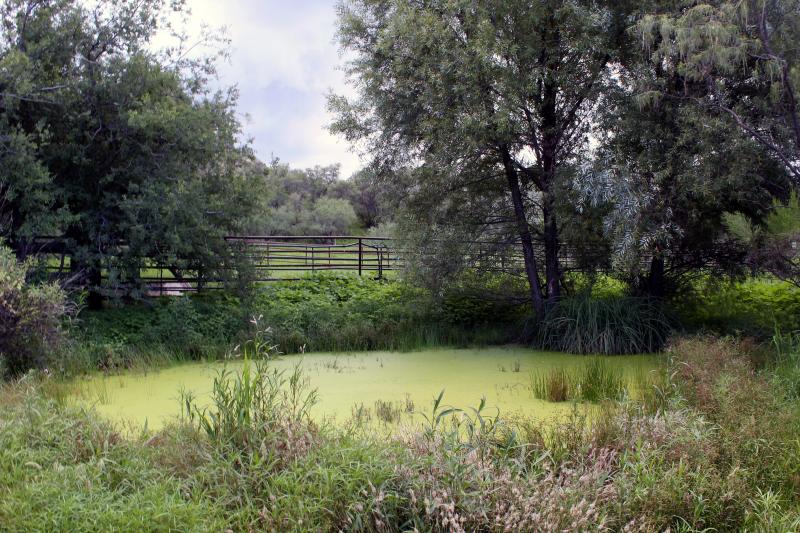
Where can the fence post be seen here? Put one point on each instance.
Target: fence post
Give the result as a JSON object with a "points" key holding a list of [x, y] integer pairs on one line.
{"points": [[360, 254]]}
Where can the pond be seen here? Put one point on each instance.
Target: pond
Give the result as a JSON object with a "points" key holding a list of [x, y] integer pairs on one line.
{"points": [[408, 380]]}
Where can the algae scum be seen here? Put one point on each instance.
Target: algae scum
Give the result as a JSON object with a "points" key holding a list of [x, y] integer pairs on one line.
{"points": [[363, 384]]}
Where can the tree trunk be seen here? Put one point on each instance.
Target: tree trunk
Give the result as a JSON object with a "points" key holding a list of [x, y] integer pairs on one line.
{"points": [[531, 267], [655, 279], [551, 245], [549, 163], [90, 276], [95, 299]]}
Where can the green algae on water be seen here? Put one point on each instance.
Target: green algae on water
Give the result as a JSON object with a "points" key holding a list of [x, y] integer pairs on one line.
{"points": [[379, 386]]}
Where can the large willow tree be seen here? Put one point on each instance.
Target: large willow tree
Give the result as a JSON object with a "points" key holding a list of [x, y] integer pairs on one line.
{"points": [[489, 102], [739, 59]]}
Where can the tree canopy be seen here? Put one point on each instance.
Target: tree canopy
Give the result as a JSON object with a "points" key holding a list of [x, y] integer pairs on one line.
{"points": [[124, 149], [491, 102]]}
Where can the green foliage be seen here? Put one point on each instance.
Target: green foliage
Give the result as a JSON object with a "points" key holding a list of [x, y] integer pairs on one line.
{"points": [[501, 130], [786, 365], [557, 385], [127, 151], [68, 470], [315, 201], [615, 325], [321, 312], [739, 60], [30, 317], [754, 306], [247, 407]]}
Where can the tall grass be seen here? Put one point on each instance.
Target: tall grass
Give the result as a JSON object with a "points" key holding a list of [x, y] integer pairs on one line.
{"points": [[786, 366], [592, 381], [556, 385], [612, 325], [246, 406]]}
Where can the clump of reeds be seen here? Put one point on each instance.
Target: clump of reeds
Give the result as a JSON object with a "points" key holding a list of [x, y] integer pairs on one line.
{"points": [[597, 381], [259, 402], [593, 381], [388, 412], [554, 386], [615, 325]]}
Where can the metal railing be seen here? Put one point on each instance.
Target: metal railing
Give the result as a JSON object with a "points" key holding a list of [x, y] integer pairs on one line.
{"points": [[289, 257]]}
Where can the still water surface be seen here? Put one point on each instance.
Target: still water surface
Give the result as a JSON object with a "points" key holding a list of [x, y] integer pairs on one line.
{"points": [[345, 380]]}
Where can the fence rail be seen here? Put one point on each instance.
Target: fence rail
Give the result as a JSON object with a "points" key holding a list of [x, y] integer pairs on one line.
{"points": [[288, 257], [270, 254]]}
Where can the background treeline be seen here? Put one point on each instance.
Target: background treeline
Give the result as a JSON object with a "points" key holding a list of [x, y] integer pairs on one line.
{"points": [[626, 137], [318, 201], [651, 144]]}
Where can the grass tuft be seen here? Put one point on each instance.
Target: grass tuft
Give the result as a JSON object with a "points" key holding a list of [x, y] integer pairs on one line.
{"points": [[592, 381], [610, 326]]}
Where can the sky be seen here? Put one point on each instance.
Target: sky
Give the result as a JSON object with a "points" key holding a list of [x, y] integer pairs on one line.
{"points": [[284, 61]]}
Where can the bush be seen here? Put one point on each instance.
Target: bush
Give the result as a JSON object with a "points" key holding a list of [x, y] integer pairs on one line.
{"points": [[30, 317], [614, 325], [754, 306]]}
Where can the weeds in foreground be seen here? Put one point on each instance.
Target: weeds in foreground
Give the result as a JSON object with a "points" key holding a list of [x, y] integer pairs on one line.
{"points": [[786, 366], [708, 459], [248, 405]]}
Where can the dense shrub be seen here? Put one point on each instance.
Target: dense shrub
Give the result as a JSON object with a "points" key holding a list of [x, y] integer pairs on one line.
{"points": [[583, 324], [755, 306], [30, 317], [322, 312]]}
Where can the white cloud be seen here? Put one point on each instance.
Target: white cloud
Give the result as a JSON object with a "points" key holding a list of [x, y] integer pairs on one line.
{"points": [[284, 61]]}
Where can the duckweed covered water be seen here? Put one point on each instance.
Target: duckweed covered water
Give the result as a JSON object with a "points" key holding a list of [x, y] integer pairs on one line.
{"points": [[365, 381]]}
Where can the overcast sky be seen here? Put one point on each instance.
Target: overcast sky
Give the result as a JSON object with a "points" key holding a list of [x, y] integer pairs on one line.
{"points": [[284, 61]]}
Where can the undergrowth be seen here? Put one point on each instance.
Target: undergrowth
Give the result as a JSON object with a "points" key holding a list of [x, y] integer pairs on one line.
{"points": [[322, 312], [716, 450]]}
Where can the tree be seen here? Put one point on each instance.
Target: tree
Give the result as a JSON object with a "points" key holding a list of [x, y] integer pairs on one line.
{"points": [[739, 59], [489, 100], [313, 201], [129, 145], [369, 197], [671, 175]]}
